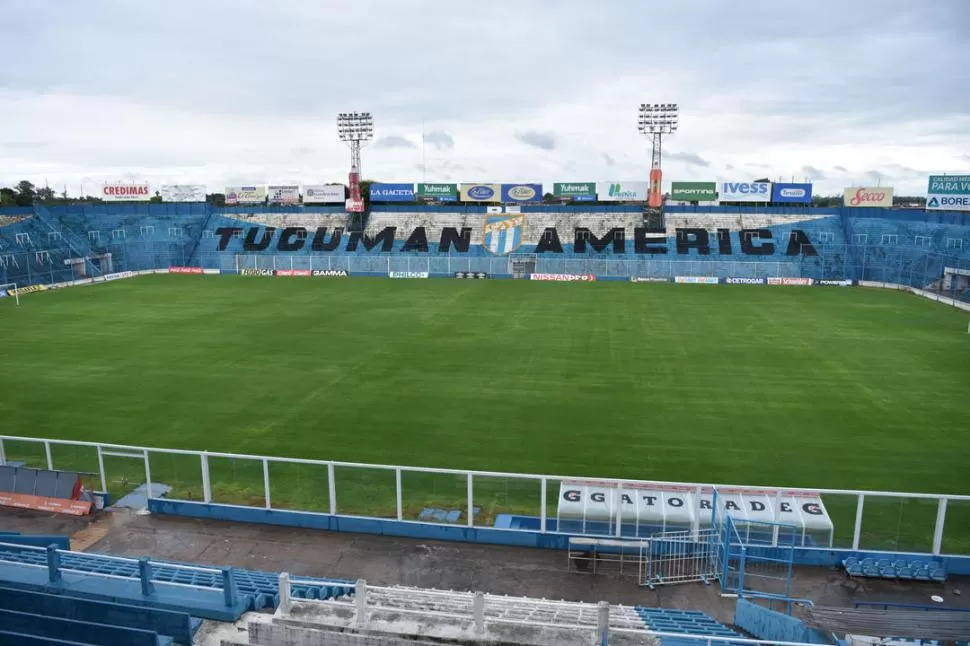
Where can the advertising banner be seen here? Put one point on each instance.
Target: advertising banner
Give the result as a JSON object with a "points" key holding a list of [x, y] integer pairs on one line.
{"points": [[697, 280], [881, 196], [648, 279], [575, 191], [284, 194], [791, 193], [948, 192], [480, 193], [745, 281], [392, 192], [255, 272], [746, 192], [245, 194], [622, 191], [521, 192], [564, 278], [473, 275], [323, 194], [182, 192], [331, 273], [845, 282], [126, 192], [800, 282], [185, 270], [293, 272], [408, 274], [693, 191], [439, 192]]}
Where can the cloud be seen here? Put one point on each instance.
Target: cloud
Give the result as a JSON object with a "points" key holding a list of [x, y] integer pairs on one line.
{"points": [[541, 140], [176, 124], [842, 169], [690, 159], [394, 141], [877, 176], [440, 140], [812, 173]]}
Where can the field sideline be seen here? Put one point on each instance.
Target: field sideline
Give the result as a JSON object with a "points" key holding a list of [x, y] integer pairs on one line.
{"points": [[777, 386]]}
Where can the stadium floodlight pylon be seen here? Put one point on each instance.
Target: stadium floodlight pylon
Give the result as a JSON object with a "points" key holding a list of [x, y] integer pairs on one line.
{"points": [[355, 128], [12, 287], [655, 121]]}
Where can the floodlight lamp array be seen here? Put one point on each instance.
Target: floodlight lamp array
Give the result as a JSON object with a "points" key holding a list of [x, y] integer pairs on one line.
{"points": [[658, 118], [355, 126]]}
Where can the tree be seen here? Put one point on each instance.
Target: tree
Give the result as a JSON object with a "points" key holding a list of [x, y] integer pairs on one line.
{"points": [[25, 193], [8, 197], [216, 199], [46, 194]]}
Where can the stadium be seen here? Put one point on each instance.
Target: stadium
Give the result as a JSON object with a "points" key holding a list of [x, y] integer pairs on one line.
{"points": [[250, 397]]}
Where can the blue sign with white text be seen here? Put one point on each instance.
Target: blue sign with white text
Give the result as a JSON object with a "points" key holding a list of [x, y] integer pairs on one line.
{"points": [[392, 192], [791, 193], [521, 192]]}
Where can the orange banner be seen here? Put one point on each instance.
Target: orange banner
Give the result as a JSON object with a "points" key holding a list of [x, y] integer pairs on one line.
{"points": [[40, 503]]}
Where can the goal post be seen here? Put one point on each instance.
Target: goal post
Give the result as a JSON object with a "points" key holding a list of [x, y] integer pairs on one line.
{"points": [[10, 289]]}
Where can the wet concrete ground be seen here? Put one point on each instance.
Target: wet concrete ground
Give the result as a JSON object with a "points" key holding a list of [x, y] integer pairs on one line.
{"points": [[458, 566]]}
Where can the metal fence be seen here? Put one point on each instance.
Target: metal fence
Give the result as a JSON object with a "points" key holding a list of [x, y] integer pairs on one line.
{"points": [[907, 265], [867, 520]]}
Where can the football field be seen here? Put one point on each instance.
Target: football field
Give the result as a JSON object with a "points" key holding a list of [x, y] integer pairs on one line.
{"points": [[754, 385], [792, 386]]}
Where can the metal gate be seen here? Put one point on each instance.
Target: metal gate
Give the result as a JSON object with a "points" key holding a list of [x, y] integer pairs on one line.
{"points": [[680, 557]]}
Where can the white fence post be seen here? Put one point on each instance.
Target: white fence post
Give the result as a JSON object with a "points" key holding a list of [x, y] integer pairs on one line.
{"points": [[940, 521], [360, 600], [104, 480], [266, 484], [286, 600], [148, 475], [603, 622], [3, 456], [206, 484], [478, 608], [332, 488], [47, 452], [400, 493], [471, 501], [542, 505], [857, 532]]}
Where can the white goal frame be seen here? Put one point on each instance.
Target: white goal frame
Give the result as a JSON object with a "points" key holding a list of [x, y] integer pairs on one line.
{"points": [[8, 287]]}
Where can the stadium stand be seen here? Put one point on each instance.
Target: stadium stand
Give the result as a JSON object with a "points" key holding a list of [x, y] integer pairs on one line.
{"points": [[50, 245]]}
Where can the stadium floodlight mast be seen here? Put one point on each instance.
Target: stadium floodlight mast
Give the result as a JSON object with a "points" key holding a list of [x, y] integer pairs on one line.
{"points": [[354, 128], [655, 121]]}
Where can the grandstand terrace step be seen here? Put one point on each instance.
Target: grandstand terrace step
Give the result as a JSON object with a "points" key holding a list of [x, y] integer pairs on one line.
{"points": [[683, 621]]}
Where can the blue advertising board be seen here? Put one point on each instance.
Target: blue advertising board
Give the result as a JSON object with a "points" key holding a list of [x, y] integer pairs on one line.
{"points": [[521, 192], [791, 193], [392, 192]]}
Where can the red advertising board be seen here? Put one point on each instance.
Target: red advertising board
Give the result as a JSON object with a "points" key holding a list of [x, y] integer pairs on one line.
{"points": [[185, 270], [294, 272], [40, 503]]}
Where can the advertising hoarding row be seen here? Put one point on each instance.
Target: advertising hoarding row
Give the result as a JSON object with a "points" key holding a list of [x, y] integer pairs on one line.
{"points": [[284, 194], [324, 194], [868, 196]]}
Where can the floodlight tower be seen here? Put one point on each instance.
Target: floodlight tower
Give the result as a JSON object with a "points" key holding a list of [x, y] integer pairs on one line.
{"points": [[354, 129], [657, 120]]}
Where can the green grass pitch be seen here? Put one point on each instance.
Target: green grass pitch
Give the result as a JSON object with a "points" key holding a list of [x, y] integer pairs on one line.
{"points": [[833, 387]]}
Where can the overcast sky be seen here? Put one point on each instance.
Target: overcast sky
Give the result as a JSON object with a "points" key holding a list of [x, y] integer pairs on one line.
{"points": [[841, 92]]}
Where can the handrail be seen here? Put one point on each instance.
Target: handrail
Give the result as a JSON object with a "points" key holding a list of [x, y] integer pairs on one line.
{"points": [[494, 474]]}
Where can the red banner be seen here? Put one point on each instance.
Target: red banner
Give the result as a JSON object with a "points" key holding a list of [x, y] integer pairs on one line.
{"points": [[294, 272], [185, 270], [564, 278], [40, 503]]}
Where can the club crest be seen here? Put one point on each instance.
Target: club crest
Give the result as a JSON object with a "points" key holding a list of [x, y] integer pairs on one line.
{"points": [[503, 233]]}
